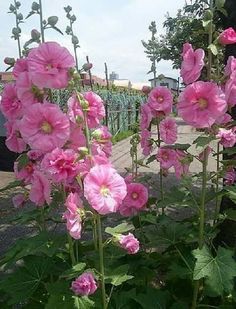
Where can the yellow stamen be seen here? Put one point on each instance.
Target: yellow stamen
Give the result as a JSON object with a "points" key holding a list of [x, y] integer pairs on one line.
{"points": [[46, 127], [202, 103]]}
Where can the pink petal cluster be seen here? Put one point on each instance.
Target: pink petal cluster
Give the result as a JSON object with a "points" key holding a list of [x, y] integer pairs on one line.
{"points": [[168, 130], [104, 189], [129, 243], [192, 64], [85, 284], [10, 105], [135, 200], [146, 116], [40, 189], [230, 66], [160, 99], [201, 104], [14, 141], [227, 137], [228, 36], [96, 109], [146, 142], [230, 176], [19, 200], [230, 91], [182, 163], [25, 173], [166, 157], [20, 66]]}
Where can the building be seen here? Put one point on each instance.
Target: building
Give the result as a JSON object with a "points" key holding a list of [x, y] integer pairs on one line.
{"points": [[6, 77], [113, 76], [169, 82], [123, 83], [139, 86]]}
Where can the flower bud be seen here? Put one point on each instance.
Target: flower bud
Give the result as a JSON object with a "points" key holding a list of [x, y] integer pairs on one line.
{"points": [[67, 8], [12, 8], [35, 6], [20, 16], [9, 61], [16, 31], [73, 18], [35, 35], [52, 20], [74, 40], [84, 104], [146, 89], [87, 66], [83, 152], [18, 4], [68, 30]]}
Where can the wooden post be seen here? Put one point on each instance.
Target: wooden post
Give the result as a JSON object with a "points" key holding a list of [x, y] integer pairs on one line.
{"points": [[90, 75]]}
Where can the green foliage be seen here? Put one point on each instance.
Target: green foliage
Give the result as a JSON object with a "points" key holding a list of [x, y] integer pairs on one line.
{"points": [[118, 275], [119, 229]]}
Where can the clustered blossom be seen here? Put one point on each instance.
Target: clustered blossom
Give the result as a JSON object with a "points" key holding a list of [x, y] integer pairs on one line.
{"points": [[227, 137], [129, 243], [228, 36], [85, 284]]}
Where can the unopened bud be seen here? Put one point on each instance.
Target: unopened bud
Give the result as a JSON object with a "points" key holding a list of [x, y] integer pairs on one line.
{"points": [[16, 31], [20, 16], [87, 66], [9, 61], [18, 4], [12, 8], [84, 104], [83, 151], [35, 35], [68, 29], [35, 6], [74, 40], [67, 8], [73, 18], [52, 20]]}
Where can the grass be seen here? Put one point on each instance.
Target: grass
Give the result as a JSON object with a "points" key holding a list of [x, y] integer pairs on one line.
{"points": [[121, 135]]}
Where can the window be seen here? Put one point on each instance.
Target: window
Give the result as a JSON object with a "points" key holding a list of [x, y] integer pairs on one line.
{"points": [[164, 84]]}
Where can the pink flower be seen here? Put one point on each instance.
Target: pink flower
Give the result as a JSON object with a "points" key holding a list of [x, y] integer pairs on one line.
{"points": [[20, 66], [201, 103], [72, 215], [104, 189], [230, 177], [40, 189], [49, 64], [146, 116], [45, 127], [168, 131], [230, 92], [14, 141], [75, 112], [19, 200], [11, 106], [60, 165], [135, 200], [34, 155], [230, 66], [193, 62], [146, 89], [227, 137], [166, 157], [25, 173], [85, 284], [129, 243], [96, 110], [228, 36], [77, 138], [146, 142], [160, 99], [101, 134], [128, 179], [181, 163], [101, 142], [224, 119]]}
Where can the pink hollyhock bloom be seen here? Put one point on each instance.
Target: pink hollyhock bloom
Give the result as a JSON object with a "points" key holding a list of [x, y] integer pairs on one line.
{"points": [[230, 66], [10, 105], [230, 92], [160, 99], [34, 155], [224, 119], [25, 173], [96, 110], [75, 112], [72, 215], [227, 137], [146, 89], [192, 64], [129, 179], [102, 134], [19, 200], [168, 131], [60, 165], [181, 164], [104, 189], [85, 284], [166, 157], [101, 143], [135, 200], [45, 127], [205, 153], [228, 36], [20, 66], [129, 243], [146, 142], [14, 141], [40, 189], [146, 116], [49, 64], [230, 177], [77, 138], [201, 103]]}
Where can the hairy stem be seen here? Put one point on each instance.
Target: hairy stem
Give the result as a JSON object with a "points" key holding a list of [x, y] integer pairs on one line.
{"points": [[218, 199], [210, 38], [41, 20], [161, 173], [18, 39], [71, 250]]}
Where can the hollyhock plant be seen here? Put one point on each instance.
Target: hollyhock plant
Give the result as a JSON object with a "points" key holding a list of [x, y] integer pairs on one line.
{"points": [[166, 157], [25, 173], [101, 141], [20, 66], [227, 137], [40, 189], [201, 104], [45, 127], [85, 284], [49, 65], [160, 99], [181, 164], [230, 66], [230, 92], [14, 141], [34, 155], [230, 176], [146, 116], [168, 130], [10, 105], [95, 110], [224, 119], [192, 64], [135, 200], [228, 36], [146, 142], [129, 243], [75, 112], [104, 189]]}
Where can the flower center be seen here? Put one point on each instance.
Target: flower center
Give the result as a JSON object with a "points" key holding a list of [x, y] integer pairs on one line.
{"points": [[46, 127], [202, 103], [160, 99], [134, 195], [104, 191], [49, 67]]}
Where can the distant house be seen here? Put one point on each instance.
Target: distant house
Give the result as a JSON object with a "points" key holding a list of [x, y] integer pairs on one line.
{"points": [[6, 77], [139, 86], [169, 82], [124, 83], [95, 80], [113, 76]]}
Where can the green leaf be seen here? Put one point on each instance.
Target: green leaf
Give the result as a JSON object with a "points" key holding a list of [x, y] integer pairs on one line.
{"points": [[231, 214], [83, 302], [119, 229], [218, 271], [229, 151], [151, 159], [60, 301], [118, 276], [11, 185], [178, 146], [219, 4], [22, 160], [213, 49], [58, 30], [203, 141], [231, 193], [154, 299], [74, 271]]}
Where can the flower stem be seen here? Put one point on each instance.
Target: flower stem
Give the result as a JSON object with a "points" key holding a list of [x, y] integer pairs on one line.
{"points": [[75, 50], [71, 250], [41, 20], [161, 174], [18, 39], [210, 38], [101, 262], [218, 199]]}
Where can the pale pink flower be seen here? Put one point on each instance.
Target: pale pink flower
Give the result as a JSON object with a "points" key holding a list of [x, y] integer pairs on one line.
{"points": [[224, 119], [192, 64], [181, 164], [146, 142], [201, 103], [96, 109], [85, 284], [166, 157], [227, 137], [40, 189], [135, 200], [25, 173], [14, 141], [230, 176], [168, 130], [20, 66], [230, 66], [49, 64], [228, 36], [101, 141], [129, 243], [19, 200], [60, 165], [72, 215], [45, 127], [104, 189], [230, 92], [10, 104], [146, 116], [160, 99]]}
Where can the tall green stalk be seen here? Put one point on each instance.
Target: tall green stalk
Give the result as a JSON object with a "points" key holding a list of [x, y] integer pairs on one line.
{"points": [[41, 21], [218, 199], [161, 172], [18, 39]]}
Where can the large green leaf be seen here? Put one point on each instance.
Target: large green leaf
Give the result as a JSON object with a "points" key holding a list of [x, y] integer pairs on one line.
{"points": [[60, 295], [202, 141], [11, 185], [154, 299], [118, 275], [232, 193], [74, 271], [218, 271], [83, 303], [119, 229]]}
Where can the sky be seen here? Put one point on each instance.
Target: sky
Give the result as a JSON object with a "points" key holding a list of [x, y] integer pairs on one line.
{"points": [[108, 30]]}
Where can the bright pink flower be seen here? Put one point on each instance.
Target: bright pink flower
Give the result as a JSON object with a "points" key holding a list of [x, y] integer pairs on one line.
{"points": [[146, 116], [104, 189], [228, 36], [227, 137], [34, 155], [45, 127], [146, 142], [101, 134], [72, 215], [129, 243], [19, 200], [230, 92], [60, 165], [181, 164], [135, 200], [146, 89], [168, 131], [201, 103], [101, 142], [14, 141], [49, 65], [192, 64], [77, 138], [129, 179], [230, 66], [10, 105], [85, 284], [224, 119], [166, 157], [25, 173], [160, 99], [20, 66], [96, 110], [75, 112], [230, 176], [40, 189]]}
